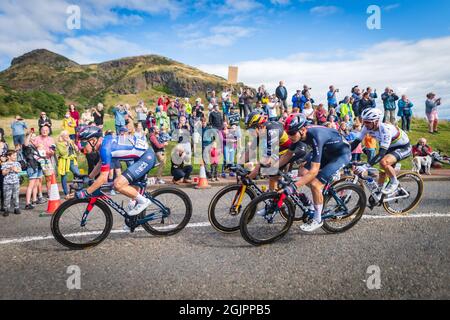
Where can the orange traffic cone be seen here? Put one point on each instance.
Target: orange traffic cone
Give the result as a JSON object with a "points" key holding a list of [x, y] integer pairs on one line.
{"points": [[53, 198], [203, 180]]}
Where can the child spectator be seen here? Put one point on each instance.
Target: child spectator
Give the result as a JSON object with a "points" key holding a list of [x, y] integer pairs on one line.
{"points": [[214, 153], [370, 144], [234, 118], [356, 154], [272, 107], [11, 183]]}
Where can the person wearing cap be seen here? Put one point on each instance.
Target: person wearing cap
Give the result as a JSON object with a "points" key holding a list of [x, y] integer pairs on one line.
{"points": [[180, 168]]}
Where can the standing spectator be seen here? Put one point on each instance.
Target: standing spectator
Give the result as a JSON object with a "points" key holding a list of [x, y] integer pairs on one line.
{"points": [[405, 112], [373, 95], [34, 172], [370, 147], [248, 102], [306, 89], [241, 104], [141, 113], [86, 118], [159, 148], [48, 145], [3, 158], [140, 132], [357, 96], [74, 113], [215, 119], [19, 128], [431, 106], [187, 107], [98, 114], [320, 115], [45, 121], [119, 117], [306, 97], [366, 102], [356, 154], [69, 124], [172, 113], [230, 138], [234, 117], [11, 183], [162, 120], [160, 102], [282, 95], [296, 101], [260, 93], [226, 102], [181, 169], [214, 157], [198, 109], [389, 101], [272, 109], [66, 151], [331, 98], [422, 156]]}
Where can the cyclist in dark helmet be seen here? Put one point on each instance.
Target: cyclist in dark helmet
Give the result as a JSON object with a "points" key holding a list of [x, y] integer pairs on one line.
{"points": [[330, 153], [111, 148]]}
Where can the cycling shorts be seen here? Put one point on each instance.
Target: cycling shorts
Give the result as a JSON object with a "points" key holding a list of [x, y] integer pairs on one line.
{"points": [[400, 152], [141, 167], [329, 167]]}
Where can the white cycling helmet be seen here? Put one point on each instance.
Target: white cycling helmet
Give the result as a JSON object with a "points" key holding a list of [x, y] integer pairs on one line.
{"points": [[372, 114]]}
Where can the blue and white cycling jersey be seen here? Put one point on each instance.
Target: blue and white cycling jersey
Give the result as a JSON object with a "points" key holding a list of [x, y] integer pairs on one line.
{"points": [[121, 148]]}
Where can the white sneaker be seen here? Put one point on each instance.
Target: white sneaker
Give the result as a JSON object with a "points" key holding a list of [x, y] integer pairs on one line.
{"points": [[126, 228], [160, 181], [261, 212], [140, 207], [113, 193], [313, 225], [390, 188], [131, 205]]}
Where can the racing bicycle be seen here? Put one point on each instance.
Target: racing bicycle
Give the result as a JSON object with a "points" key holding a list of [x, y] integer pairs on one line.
{"points": [[260, 223], [405, 199], [84, 223]]}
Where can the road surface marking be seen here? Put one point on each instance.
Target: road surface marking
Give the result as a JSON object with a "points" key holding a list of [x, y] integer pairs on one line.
{"points": [[207, 224]]}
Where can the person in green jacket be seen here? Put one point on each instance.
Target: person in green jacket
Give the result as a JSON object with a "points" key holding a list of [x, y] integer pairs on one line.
{"points": [[187, 106], [346, 108], [66, 151], [162, 120]]}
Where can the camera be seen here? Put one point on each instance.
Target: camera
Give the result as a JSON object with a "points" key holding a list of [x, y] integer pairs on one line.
{"points": [[337, 90]]}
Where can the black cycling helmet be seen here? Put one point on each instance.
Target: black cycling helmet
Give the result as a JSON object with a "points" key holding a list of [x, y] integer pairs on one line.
{"points": [[90, 132], [294, 123]]}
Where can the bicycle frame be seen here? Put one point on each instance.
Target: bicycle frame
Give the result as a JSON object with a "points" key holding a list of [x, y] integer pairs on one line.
{"points": [[99, 195]]}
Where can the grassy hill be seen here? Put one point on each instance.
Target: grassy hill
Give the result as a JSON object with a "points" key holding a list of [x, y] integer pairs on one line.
{"points": [[127, 80]]}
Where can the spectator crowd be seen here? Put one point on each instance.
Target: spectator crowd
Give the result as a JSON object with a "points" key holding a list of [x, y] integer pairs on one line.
{"points": [[37, 154]]}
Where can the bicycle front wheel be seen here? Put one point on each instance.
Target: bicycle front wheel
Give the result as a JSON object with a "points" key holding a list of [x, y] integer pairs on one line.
{"points": [[169, 213], [262, 221], [225, 209], [343, 207], [410, 184], [69, 229]]}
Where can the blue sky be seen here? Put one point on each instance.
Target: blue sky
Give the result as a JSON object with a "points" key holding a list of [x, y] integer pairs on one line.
{"points": [[247, 33]]}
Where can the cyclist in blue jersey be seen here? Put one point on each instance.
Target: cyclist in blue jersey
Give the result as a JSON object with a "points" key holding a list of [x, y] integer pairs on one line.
{"points": [[119, 148], [330, 153]]}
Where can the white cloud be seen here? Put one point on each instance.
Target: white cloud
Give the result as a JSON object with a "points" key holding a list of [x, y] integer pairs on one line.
{"points": [[233, 6], [413, 68], [220, 36], [323, 11], [391, 7], [280, 2]]}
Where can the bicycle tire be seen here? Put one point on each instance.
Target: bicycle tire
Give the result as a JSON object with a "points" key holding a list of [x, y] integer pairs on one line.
{"points": [[212, 207], [59, 237], [362, 202], [416, 201], [188, 213], [249, 214]]}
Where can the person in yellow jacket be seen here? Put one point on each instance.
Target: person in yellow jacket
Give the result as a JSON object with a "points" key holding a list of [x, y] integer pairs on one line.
{"points": [[66, 150], [69, 124]]}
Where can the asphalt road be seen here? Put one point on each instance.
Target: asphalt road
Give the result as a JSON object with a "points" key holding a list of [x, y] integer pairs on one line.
{"points": [[412, 255]]}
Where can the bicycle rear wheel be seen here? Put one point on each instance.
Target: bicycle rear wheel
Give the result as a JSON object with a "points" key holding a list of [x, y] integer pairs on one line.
{"points": [[262, 221], [223, 212], [66, 224], [170, 211], [410, 183], [344, 205]]}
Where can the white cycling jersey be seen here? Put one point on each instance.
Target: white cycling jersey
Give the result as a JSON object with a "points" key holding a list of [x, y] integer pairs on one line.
{"points": [[388, 135]]}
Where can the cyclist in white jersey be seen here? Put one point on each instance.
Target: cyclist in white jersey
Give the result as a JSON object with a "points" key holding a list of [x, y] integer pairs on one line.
{"points": [[394, 147]]}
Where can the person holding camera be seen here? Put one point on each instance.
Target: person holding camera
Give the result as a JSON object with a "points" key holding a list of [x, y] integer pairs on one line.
{"points": [[389, 101], [45, 121], [331, 98], [159, 148], [98, 113], [120, 114], [431, 105]]}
